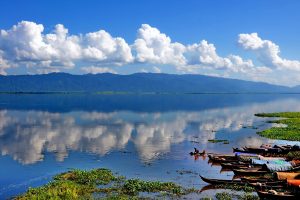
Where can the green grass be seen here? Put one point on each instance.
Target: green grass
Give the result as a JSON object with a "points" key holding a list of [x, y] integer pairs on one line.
{"points": [[290, 132], [245, 188], [82, 184], [248, 196], [223, 196], [218, 141], [134, 186]]}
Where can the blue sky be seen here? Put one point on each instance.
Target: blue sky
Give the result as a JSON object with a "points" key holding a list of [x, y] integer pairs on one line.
{"points": [[200, 36]]}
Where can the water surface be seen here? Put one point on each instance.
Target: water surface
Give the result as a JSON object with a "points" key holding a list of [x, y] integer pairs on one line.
{"points": [[144, 136]]}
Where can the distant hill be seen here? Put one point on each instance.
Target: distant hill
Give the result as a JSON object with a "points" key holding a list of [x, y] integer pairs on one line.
{"points": [[136, 83]]}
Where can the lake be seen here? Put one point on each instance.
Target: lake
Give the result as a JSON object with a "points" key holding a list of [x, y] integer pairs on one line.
{"points": [[144, 136]]}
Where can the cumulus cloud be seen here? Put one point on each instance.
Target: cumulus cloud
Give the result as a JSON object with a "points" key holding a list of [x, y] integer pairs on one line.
{"points": [[155, 47], [26, 44], [204, 54], [267, 52], [3, 64], [97, 70], [152, 46]]}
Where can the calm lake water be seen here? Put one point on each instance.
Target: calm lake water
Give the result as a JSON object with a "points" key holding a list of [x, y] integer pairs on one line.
{"points": [[144, 136]]}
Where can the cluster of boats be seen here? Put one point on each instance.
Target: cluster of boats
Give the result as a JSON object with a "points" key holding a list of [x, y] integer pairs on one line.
{"points": [[266, 168]]}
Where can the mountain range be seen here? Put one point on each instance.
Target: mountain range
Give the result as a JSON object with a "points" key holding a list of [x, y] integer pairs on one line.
{"points": [[135, 83]]}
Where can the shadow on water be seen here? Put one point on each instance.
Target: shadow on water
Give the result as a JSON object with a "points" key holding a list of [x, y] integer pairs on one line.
{"points": [[136, 103]]}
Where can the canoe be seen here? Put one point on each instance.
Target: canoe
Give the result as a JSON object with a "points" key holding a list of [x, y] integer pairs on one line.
{"points": [[240, 182], [259, 179], [272, 194], [218, 156], [250, 172], [222, 181], [287, 175], [222, 158], [229, 166], [266, 150], [293, 182], [262, 151], [234, 165], [268, 185]]}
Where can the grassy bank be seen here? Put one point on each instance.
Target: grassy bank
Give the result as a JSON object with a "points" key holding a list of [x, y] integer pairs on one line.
{"points": [[103, 184], [100, 183], [290, 132]]}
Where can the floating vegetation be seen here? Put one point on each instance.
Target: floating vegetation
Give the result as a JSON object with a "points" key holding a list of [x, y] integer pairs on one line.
{"points": [[219, 141], [248, 196], [182, 172], [223, 196], [245, 188], [82, 184], [290, 132], [229, 196], [252, 127]]}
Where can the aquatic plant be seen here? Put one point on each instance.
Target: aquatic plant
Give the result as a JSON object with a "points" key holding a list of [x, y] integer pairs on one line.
{"points": [[134, 186], [245, 188], [290, 132], [223, 196], [93, 177], [83, 184], [248, 196], [67, 190], [218, 141]]}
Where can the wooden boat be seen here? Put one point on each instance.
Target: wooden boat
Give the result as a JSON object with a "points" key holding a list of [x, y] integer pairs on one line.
{"points": [[221, 181], [235, 165], [258, 185], [197, 153], [264, 150], [287, 175], [260, 179], [250, 172], [269, 185], [272, 194], [222, 158], [230, 166], [294, 182]]}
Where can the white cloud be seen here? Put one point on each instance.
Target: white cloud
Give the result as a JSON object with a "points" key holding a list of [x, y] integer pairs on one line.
{"points": [[152, 46], [267, 52], [26, 45], [97, 70], [3, 64], [156, 69], [101, 46], [204, 55], [155, 47]]}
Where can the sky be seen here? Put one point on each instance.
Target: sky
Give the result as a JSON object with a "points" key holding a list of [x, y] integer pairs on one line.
{"points": [[255, 40]]}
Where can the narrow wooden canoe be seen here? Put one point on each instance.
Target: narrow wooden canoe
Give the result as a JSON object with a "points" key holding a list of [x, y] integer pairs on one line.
{"points": [[268, 185], [276, 195], [234, 165], [250, 172], [240, 182], [221, 181]]}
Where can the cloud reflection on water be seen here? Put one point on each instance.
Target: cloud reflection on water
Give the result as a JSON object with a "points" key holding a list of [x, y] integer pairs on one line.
{"points": [[27, 135]]}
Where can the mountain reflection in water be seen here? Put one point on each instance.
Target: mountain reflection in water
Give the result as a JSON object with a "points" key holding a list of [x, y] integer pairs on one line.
{"points": [[126, 136]]}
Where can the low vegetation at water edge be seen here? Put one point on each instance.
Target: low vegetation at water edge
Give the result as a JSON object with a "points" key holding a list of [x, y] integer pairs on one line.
{"points": [[290, 132], [100, 183]]}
